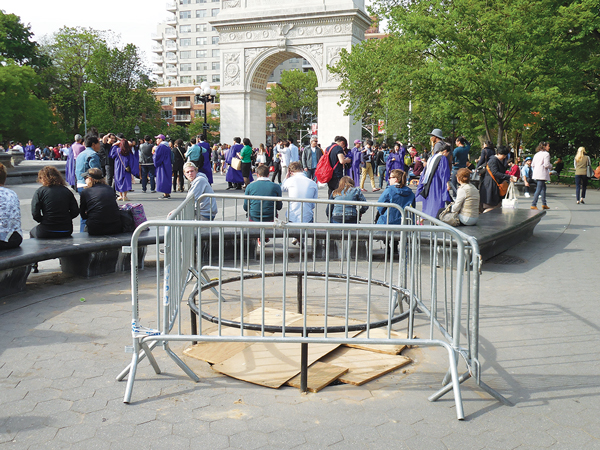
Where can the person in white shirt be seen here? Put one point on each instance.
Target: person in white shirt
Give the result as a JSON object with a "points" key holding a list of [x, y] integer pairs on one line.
{"points": [[299, 186], [294, 154], [284, 155], [199, 185]]}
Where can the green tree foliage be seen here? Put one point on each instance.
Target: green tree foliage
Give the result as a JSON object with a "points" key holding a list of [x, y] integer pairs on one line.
{"points": [[119, 90], [16, 42], [293, 101], [23, 115], [214, 132], [489, 64]]}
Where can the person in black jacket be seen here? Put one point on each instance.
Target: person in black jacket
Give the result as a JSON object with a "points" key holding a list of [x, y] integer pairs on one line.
{"points": [[53, 206], [99, 206], [494, 175], [178, 150]]}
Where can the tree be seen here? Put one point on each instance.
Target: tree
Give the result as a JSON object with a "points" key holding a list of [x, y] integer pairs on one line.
{"points": [[119, 90], [71, 51], [16, 42], [23, 115], [293, 101], [214, 132]]}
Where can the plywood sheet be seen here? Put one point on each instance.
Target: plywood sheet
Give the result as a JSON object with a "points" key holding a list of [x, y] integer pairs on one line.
{"points": [[380, 333], [217, 352], [319, 376], [272, 364], [363, 365]]}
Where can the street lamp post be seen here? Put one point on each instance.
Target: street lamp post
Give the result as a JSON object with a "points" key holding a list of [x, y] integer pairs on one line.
{"points": [[272, 130], [84, 113], [205, 95], [136, 130]]}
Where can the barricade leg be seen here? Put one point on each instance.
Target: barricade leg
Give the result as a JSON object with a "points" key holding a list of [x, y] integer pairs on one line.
{"points": [[141, 356], [454, 385], [132, 370], [180, 363]]}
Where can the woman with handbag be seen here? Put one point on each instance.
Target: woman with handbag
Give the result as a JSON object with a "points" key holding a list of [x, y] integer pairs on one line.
{"points": [[583, 171], [124, 164], [494, 182], [465, 209]]}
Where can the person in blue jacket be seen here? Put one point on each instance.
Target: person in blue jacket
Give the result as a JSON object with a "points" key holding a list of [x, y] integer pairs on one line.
{"points": [[396, 192]]}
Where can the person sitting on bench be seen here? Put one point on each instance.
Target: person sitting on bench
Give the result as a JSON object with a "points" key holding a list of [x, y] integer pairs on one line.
{"points": [[11, 235], [53, 206], [99, 206]]}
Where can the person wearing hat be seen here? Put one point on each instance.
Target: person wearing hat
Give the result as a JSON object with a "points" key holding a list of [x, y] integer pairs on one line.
{"points": [[495, 174], [98, 206], [164, 169], [437, 140], [434, 185]]}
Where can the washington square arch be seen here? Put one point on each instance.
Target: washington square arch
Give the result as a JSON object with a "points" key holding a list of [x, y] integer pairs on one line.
{"points": [[255, 36]]}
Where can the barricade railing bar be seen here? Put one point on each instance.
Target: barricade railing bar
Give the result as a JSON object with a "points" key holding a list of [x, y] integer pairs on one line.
{"points": [[223, 269]]}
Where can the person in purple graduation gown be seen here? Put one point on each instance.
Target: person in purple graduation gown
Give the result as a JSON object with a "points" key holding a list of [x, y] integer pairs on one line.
{"points": [[433, 185], [124, 166], [234, 177], [396, 160], [206, 168], [70, 169], [164, 169], [29, 151], [354, 155]]}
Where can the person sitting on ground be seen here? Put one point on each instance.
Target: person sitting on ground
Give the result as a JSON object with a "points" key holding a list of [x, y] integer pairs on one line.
{"points": [[397, 192], [11, 235], [262, 210], [346, 191], [466, 204], [53, 206], [199, 185], [98, 206]]}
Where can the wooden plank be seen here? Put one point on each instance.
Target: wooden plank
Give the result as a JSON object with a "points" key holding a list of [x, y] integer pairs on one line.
{"points": [[272, 364], [363, 365], [380, 333], [217, 352], [319, 376]]}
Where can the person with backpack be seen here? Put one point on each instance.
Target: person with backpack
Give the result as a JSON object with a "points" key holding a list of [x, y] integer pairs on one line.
{"points": [[380, 160], [178, 162], [366, 157], [336, 154]]}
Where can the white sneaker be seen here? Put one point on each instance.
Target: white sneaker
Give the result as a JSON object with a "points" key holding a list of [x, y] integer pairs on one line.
{"points": [[527, 194]]}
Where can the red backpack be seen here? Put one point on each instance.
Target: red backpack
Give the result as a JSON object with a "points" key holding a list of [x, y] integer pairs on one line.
{"points": [[324, 171]]}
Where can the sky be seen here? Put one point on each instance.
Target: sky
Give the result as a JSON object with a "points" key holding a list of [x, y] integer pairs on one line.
{"points": [[133, 20]]}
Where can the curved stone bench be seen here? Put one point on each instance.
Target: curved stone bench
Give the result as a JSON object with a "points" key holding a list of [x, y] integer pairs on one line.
{"points": [[80, 255]]}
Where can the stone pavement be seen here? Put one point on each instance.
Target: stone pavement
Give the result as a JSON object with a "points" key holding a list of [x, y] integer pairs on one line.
{"points": [[539, 347]]}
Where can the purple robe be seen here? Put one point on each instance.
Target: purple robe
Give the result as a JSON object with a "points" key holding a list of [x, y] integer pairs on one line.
{"points": [[164, 169], [394, 161], [206, 168], [438, 189], [122, 177], [29, 151], [234, 176], [135, 170], [354, 172], [70, 168], [77, 149]]}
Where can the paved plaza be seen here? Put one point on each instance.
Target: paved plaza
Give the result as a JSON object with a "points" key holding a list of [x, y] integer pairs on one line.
{"points": [[539, 347]]}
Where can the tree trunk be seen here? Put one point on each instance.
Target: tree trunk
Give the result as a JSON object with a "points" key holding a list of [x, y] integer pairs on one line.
{"points": [[500, 133]]}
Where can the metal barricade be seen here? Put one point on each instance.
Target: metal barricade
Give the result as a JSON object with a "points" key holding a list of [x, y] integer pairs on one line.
{"points": [[223, 266]]}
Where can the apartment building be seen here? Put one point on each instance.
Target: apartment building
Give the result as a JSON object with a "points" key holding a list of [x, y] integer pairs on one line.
{"points": [[186, 53]]}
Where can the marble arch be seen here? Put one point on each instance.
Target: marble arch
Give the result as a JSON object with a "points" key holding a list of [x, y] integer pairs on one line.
{"points": [[255, 36]]}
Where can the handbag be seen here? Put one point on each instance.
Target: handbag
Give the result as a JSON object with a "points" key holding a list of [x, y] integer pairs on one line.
{"points": [[502, 187], [236, 163], [588, 168], [510, 201], [447, 216], [137, 212]]}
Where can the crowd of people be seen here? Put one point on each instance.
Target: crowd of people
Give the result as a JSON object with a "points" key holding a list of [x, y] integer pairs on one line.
{"points": [[102, 168]]}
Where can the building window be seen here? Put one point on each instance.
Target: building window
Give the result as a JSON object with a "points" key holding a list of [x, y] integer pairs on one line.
{"points": [[216, 78], [201, 66], [216, 53], [216, 65], [200, 1], [166, 101], [185, 2], [200, 53], [200, 13], [201, 78], [201, 41], [185, 42], [171, 56], [201, 28], [215, 112], [185, 55], [185, 14], [216, 1], [215, 11], [185, 80], [185, 67], [215, 40], [166, 114], [185, 28]]}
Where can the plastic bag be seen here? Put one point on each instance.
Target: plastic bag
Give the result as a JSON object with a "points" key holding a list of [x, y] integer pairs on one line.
{"points": [[510, 201]]}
